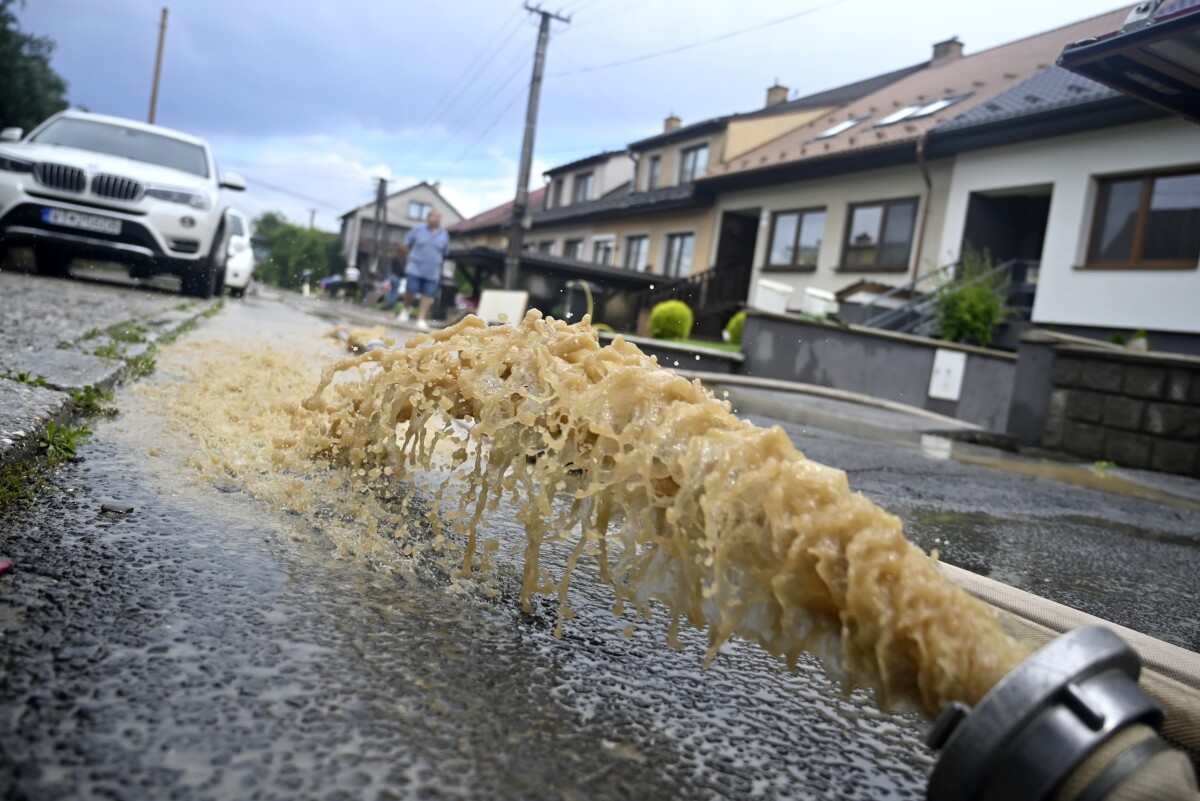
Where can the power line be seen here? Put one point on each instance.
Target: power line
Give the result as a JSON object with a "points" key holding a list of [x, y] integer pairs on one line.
{"points": [[323, 175], [693, 45], [613, 10], [508, 106], [284, 191], [464, 79], [492, 92], [582, 6]]}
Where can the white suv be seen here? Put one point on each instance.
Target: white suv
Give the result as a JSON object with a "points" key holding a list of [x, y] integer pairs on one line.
{"points": [[89, 185]]}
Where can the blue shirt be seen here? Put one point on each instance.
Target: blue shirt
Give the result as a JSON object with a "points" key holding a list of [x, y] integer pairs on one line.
{"points": [[426, 252]]}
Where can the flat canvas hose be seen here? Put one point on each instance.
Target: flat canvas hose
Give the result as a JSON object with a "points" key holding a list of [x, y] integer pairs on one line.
{"points": [[1071, 722]]}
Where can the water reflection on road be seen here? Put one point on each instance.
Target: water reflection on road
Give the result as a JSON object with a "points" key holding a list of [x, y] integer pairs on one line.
{"points": [[211, 645]]}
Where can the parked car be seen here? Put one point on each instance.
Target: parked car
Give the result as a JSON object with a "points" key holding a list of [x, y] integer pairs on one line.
{"points": [[85, 184], [239, 258]]}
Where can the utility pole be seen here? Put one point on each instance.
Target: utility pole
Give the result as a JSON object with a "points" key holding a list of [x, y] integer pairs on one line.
{"points": [[516, 230], [162, 37], [380, 223], [312, 215]]}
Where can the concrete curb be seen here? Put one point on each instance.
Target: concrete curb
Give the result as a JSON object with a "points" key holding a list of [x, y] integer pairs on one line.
{"points": [[27, 410], [751, 382]]}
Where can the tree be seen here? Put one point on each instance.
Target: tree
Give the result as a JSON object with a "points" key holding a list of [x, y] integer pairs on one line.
{"points": [[30, 90], [293, 250]]}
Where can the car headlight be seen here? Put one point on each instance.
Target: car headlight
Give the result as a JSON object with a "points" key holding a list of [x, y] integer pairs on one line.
{"points": [[14, 164], [188, 197]]}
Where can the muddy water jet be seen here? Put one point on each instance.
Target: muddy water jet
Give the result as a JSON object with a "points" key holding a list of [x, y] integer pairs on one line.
{"points": [[725, 524]]}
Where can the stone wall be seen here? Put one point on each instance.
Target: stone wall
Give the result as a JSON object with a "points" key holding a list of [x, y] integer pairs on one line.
{"points": [[1136, 410]]}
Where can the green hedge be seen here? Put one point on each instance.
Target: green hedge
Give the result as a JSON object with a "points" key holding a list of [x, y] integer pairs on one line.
{"points": [[671, 319], [733, 328]]}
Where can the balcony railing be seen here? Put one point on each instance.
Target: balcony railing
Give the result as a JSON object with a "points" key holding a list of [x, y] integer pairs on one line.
{"points": [[713, 291]]}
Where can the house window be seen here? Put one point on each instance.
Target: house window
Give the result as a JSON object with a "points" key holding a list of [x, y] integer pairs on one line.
{"points": [[679, 255], [583, 188], [653, 172], [573, 249], [635, 253], [879, 236], [546, 247], [693, 161], [418, 210], [796, 239], [602, 251], [1147, 221], [557, 192]]}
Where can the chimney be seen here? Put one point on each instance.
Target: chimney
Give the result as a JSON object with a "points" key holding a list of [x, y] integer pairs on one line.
{"points": [[945, 52], [671, 123], [776, 94], [437, 186]]}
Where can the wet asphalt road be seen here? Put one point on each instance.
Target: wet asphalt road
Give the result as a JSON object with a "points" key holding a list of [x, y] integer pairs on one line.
{"points": [[197, 649]]}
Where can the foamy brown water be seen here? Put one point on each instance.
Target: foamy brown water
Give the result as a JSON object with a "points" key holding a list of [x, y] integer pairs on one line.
{"points": [[614, 460]]}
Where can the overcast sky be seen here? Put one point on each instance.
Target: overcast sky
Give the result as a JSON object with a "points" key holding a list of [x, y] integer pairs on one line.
{"points": [[311, 99]]}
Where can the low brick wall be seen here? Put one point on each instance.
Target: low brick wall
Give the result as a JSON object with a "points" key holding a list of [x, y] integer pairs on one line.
{"points": [[1137, 410]]}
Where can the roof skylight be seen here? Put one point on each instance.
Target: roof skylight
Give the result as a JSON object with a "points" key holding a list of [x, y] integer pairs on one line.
{"points": [[923, 109], [845, 125]]}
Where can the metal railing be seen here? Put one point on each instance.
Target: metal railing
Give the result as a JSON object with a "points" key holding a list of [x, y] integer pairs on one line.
{"points": [[916, 317], [883, 318], [710, 290]]}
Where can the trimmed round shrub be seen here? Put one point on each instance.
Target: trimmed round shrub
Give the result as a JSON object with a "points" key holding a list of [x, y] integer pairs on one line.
{"points": [[671, 319], [733, 328]]}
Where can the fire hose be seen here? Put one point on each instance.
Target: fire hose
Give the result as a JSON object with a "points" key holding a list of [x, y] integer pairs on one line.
{"points": [[1070, 723]]}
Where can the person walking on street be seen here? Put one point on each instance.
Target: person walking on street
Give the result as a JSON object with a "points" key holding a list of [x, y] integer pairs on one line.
{"points": [[350, 280], [396, 276], [427, 246]]}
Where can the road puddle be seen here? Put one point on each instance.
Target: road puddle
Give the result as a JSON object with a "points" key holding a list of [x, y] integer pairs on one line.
{"points": [[440, 684]]}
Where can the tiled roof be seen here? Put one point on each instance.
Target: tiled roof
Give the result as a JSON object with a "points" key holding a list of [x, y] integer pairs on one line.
{"points": [[1052, 88], [980, 76], [496, 216], [842, 95], [435, 188], [622, 203], [837, 96], [584, 162]]}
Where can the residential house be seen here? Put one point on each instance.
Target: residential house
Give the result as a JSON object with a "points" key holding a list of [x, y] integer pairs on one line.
{"points": [[579, 184], [406, 209], [490, 228], [479, 245], [663, 222], [639, 215], [1101, 189], [857, 194]]}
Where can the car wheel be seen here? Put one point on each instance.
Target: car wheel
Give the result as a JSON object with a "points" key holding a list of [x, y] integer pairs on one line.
{"points": [[53, 261], [207, 278], [197, 280], [236, 291]]}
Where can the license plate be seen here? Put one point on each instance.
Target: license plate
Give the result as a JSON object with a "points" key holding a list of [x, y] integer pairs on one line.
{"points": [[84, 222]]}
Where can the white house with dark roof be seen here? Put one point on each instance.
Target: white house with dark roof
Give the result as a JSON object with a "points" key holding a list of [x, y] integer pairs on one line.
{"points": [[1103, 191], [858, 194]]}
